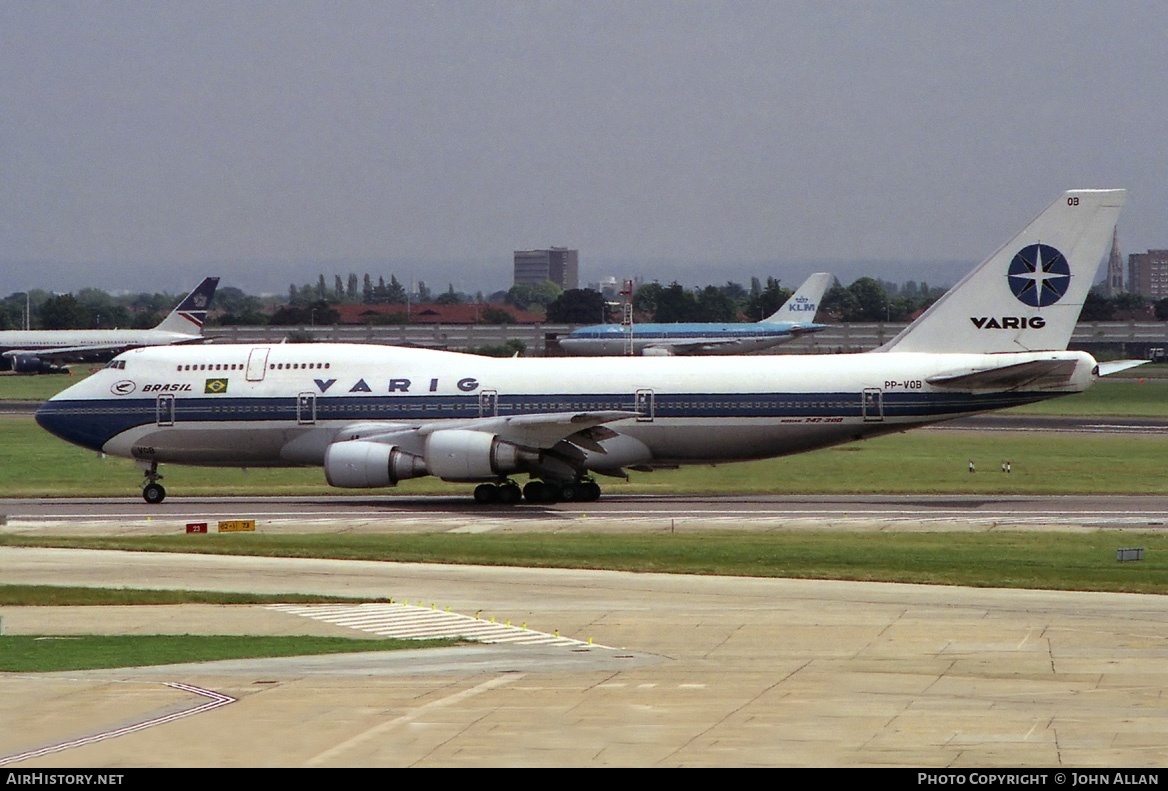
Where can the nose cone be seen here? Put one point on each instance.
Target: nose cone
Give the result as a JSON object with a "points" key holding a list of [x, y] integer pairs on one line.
{"points": [[72, 422]]}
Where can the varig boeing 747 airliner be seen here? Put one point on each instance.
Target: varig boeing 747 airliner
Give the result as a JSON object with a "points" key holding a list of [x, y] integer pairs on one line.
{"points": [[372, 416]]}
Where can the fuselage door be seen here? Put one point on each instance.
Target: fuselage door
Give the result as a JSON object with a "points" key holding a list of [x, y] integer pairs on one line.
{"points": [[644, 406], [165, 410], [872, 405], [488, 403], [257, 363], [306, 409]]}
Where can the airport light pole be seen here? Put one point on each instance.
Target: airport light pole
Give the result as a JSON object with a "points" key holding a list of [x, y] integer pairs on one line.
{"points": [[27, 310]]}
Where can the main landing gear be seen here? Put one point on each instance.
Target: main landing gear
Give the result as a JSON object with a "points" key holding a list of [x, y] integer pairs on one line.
{"points": [[506, 493], [584, 490], [153, 492]]}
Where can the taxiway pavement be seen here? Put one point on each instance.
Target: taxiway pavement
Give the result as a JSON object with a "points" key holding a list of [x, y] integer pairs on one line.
{"points": [[664, 670]]}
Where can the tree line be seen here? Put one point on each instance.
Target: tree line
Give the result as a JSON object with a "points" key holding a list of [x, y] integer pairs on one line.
{"points": [[865, 300]]}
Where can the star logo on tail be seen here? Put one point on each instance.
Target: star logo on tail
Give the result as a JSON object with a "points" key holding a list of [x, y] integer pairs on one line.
{"points": [[1039, 275]]}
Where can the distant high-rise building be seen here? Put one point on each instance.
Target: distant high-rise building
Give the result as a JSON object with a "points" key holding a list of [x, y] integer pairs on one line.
{"points": [[557, 264], [1147, 274], [1114, 283]]}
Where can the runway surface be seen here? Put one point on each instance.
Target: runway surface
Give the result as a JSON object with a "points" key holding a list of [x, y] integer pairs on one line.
{"points": [[646, 513]]}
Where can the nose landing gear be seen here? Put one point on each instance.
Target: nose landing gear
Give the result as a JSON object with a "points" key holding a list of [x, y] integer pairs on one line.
{"points": [[152, 491]]}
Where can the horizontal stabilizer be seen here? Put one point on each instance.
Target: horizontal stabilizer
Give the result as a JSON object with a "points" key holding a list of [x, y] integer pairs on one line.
{"points": [[1034, 374], [1115, 366]]}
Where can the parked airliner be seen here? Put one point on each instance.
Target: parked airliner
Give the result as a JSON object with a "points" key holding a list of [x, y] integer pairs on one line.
{"points": [[46, 351], [795, 318], [372, 416]]}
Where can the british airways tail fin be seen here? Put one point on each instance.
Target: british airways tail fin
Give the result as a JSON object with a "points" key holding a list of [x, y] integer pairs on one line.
{"points": [[804, 303], [1027, 296], [190, 314]]}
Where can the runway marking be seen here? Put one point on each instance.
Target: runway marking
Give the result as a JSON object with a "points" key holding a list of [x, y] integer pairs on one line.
{"points": [[410, 622], [216, 699], [377, 730]]}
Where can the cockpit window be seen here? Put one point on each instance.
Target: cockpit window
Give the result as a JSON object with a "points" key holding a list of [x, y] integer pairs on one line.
{"points": [[119, 364]]}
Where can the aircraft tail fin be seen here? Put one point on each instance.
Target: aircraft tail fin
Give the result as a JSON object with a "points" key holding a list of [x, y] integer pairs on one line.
{"points": [[190, 314], [804, 303], [1026, 296]]}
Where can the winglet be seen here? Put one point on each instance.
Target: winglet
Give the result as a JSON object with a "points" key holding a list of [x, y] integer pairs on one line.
{"points": [[804, 303], [190, 314], [1026, 296]]}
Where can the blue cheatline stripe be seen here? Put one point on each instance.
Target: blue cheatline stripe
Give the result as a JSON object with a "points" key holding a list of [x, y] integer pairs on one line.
{"points": [[92, 423]]}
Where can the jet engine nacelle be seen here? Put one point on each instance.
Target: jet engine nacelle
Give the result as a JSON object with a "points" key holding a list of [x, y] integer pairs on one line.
{"points": [[31, 364], [463, 455], [367, 465]]}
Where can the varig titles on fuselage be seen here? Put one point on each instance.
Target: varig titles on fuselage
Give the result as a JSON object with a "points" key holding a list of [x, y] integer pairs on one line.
{"points": [[466, 384]]}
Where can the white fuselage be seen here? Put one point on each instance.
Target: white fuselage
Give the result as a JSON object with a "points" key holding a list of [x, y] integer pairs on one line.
{"points": [[284, 405], [682, 339], [48, 340]]}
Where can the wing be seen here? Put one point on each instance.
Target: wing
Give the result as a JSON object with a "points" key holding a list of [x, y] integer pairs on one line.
{"points": [[70, 354], [664, 348], [583, 429]]}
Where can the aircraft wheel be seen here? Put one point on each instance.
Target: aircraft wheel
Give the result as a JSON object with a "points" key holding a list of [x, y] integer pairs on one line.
{"points": [[533, 492], [539, 492], [486, 493], [589, 491], [509, 494], [153, 493], [568, 492]]}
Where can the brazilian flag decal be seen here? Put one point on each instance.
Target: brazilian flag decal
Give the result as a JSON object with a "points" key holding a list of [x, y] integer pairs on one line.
{"points": [[215, 386]]}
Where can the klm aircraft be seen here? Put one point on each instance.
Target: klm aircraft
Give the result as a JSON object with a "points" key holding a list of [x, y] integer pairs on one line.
{"points": [[47, 351], [373, 416], [795, 318]]}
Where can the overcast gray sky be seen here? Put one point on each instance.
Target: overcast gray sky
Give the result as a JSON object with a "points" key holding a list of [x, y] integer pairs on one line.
{"points": [[146, 144]]}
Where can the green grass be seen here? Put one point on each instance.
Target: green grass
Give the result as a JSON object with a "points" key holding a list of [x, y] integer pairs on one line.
{"points": [[16, 387], [1108, 398], [35, 464], [1044, 560], [64, 596], [44, 654]]}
